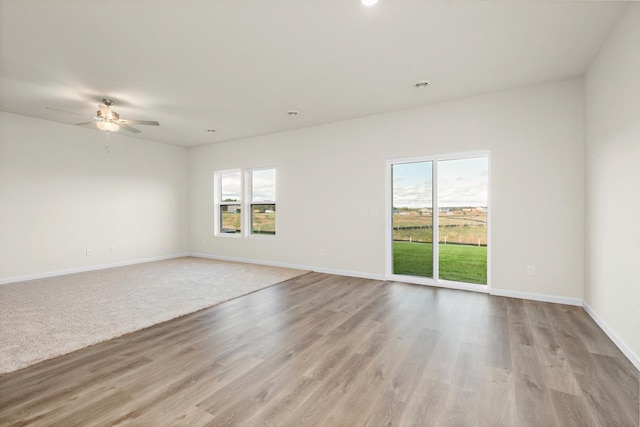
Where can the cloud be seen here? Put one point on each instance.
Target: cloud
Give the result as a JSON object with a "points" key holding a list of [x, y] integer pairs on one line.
{"points": [[460, 183], [412, 196], [263, 186], [231, 185]]}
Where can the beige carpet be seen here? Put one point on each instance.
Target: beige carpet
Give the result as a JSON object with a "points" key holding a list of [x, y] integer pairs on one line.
{"points": [[44, 318]]}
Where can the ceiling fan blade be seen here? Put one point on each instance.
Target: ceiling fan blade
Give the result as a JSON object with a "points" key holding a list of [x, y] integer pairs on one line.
{"points": [[85, 123], [130, 128], [68, 112], [141, 122]]}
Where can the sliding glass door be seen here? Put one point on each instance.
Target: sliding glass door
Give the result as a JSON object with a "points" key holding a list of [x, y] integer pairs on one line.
{"points": [[439, 218]]}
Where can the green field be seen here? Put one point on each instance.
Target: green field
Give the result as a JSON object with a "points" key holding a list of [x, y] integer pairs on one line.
{"points": [[261, 222], [460, 263]]}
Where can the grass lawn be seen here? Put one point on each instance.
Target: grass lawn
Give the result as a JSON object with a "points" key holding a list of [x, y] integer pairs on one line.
{"points": [[460, 263]]}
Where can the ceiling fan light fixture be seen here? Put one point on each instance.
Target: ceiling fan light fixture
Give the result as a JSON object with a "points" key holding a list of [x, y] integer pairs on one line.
{"points": [[108, 126]]}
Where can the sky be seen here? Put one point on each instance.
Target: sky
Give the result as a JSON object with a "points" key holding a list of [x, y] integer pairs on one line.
{"points": [[231, 185], [461, 182], [263, 185]]}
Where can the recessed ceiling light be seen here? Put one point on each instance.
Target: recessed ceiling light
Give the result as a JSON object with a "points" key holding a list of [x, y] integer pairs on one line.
{"points": [[369, 2], [422, 83], [211, 130], [293, 113]]}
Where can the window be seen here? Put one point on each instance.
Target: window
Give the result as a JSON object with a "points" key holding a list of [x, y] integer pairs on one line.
{"points": [[262, 208], [259, 189], [229, 202], [439, 212]]}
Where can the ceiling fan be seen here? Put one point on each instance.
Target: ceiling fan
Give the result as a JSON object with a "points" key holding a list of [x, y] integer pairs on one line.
{"points": [[108, 120]]}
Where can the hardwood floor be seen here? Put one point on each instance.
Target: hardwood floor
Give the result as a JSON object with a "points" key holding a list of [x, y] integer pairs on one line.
{"points": [[336, 351]]}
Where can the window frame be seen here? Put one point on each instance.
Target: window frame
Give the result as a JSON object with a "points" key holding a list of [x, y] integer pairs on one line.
{"points": [[250, 203], [218, 203]]}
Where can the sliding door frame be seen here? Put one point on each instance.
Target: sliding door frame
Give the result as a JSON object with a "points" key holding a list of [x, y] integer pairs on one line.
{"points": [[435, 281]]}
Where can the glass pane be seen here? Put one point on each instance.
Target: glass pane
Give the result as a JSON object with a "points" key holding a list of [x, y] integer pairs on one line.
{"points": [[230, 216], [263, 185], [263, 219], [413, 219], [230, 185], [462, 219]]}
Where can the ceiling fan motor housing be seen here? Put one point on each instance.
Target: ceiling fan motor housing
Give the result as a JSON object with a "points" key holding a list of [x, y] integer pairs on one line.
{"points": [[108, 114]]}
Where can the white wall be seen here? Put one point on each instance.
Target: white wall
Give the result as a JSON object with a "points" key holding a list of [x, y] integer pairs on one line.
{"points": [[61, 193], [612, 288], [327, 174]]}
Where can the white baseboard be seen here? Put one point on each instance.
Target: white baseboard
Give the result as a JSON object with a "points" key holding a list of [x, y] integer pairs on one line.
{"points": [[349, 273], [89, 268], [617, 341], [536, 297]]}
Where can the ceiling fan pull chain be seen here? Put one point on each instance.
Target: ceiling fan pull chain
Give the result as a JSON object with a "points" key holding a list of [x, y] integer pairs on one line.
{"points": [[106, 145]]}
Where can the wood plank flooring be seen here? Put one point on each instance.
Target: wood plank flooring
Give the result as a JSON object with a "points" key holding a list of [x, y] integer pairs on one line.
{"points": [[335, 351]]}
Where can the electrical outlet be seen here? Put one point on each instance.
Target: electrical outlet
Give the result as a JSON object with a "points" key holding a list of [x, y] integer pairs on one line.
{"points": [[531, 271], [89, 252], [114, 249]]}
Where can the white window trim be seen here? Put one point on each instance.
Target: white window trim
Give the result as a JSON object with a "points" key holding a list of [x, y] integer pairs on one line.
{"points": [[389, 275], [217, 202]]}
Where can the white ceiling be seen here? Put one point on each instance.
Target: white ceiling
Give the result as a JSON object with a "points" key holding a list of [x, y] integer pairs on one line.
{"points": [[239, 65]]}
